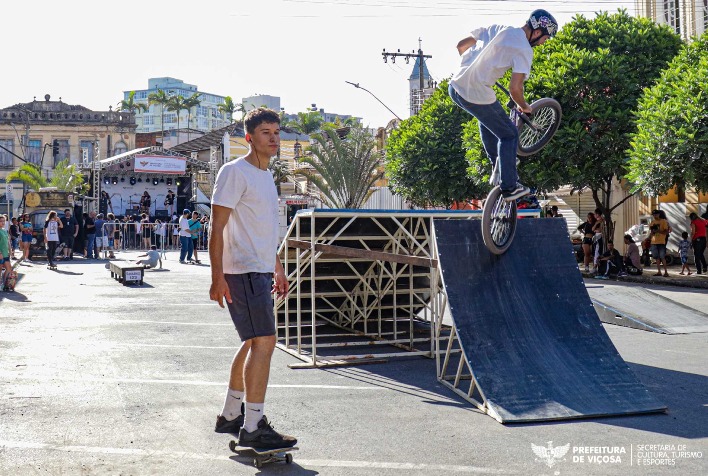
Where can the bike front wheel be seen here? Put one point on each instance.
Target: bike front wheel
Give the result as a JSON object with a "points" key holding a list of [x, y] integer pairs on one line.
{"points": [[498, 222], [545, 119]]}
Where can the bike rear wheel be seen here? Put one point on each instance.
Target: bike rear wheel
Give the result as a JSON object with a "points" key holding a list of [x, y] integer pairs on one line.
{"points": [[498, 222], [545, 119]]}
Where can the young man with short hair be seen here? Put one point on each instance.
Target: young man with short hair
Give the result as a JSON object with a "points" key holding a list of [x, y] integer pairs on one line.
{"points": [[153, 258], [243, 243], [487, 54]]}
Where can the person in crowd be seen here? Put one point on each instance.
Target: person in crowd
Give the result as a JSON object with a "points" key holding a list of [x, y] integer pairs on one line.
{"points": [[4, 251], [586, 228], [174, 224], [170, 202], [610, 263], [137, 231], [554, 213], [153, 258], [598, 239], [117, 233], [632, 261], [52, 230], [195, 228], [81, 239], [14, 237], [145, 202], [659, 232], [101, 238], [109, 236], [91, 235], [69, 232], [698, 241], [106, 201], [684, 245], [185, 238], [160, 234], [26, 229], [146, 230]]}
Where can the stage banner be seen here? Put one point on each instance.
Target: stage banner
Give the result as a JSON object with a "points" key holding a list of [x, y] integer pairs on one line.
{"points": [[160, 164]]}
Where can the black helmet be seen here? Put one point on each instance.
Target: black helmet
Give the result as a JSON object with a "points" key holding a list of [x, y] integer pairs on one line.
{"points": [[544, 21]]}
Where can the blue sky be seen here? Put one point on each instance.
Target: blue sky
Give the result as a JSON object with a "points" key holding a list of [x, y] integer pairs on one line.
{"points": [[88, 52]]}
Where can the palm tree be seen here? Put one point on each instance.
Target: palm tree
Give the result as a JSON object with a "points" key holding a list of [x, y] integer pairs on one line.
{"points": [[229, 107], [65, 177], [130, 105], [307, 122], [177, 104], [345, 170], [280, 171], [161, 98], [189, 103]]}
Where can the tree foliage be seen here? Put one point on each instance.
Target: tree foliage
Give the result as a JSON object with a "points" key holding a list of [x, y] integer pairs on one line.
{"points": [[65, 177], [596, 68], [130, 105], [307, 122], [425, 156], [162, 98], [344, 170], [229, 107], [670, 145]]}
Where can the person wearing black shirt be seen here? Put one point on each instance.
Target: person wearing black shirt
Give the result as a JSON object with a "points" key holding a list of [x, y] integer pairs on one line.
{"points": [[170, 201], [611, 261], [69, 230]]}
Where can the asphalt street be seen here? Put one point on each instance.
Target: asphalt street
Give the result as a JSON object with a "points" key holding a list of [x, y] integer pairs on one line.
{"points": [[97, 378]]}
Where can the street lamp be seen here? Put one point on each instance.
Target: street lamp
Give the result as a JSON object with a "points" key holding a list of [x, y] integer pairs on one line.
{"points": [[356, 85]]}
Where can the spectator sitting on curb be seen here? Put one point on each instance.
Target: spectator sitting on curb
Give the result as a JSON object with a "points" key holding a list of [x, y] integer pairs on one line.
{"points": [[611, 259], [632, 262], [153, 258]]}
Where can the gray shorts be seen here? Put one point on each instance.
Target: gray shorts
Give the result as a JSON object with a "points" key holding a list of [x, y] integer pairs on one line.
{"points": [[658, 251], [251, 308]]}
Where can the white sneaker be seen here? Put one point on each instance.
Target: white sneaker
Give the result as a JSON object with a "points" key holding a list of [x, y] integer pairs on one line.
{"points": [[516, 193]]}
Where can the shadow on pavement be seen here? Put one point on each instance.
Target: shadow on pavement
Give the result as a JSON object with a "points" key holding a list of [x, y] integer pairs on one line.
{"points": [[275, 468]]}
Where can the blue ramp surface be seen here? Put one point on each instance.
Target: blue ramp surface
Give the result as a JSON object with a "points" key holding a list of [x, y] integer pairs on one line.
{"points": [[528, 329]]}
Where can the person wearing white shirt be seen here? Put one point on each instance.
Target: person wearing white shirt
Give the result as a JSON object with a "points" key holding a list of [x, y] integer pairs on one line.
{"points": [[486, 55], [185, 237]]}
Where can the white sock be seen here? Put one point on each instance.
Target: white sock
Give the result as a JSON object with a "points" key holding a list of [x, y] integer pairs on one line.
{"points": [[232, 404], [254, 413]]}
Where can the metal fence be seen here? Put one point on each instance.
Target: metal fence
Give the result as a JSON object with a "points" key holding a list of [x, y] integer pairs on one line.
{"points": [[117, 236]]}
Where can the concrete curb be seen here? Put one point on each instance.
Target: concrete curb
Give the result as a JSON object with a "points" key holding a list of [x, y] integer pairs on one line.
{"points": [[693, 281]]}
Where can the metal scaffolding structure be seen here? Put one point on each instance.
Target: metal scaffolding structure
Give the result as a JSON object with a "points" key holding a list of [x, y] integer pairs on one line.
{"points": [[361, 279]]}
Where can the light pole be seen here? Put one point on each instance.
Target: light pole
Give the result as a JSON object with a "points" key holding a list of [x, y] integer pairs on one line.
{"points": [[356, 85]]}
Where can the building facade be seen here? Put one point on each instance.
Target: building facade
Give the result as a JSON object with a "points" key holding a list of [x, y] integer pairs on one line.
{"points": [[205, 117], [46, 132], [688, 18]]}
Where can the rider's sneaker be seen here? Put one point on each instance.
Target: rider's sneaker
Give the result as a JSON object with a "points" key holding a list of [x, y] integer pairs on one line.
{"points": [[518, 192], [265, 437], [228, 426]]}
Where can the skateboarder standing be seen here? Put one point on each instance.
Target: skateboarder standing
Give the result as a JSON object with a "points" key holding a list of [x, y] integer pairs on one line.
{"points": [[487, 54], [243, 240]]}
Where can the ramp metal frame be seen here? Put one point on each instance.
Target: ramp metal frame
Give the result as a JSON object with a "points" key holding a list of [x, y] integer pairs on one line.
{"points": [[370, 274]]}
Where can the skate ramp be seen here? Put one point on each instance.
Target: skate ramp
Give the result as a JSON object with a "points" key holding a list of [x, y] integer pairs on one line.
{"points": [[527, 329], [640, 308]]}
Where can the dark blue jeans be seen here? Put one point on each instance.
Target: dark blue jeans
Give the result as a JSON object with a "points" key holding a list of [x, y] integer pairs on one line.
{"points": [[91, 246], [499, 135], [186, 248]]}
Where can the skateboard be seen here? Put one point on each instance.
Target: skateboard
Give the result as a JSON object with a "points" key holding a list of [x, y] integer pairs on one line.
{"points": [[52, 267], [10, 281], [261, 457]]}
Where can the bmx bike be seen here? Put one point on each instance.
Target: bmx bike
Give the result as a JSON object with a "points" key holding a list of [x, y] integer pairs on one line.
{"points": [[535, 131]]}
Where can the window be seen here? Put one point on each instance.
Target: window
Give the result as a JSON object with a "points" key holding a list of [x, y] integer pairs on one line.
{"points": [[672, 14], [203, 123], [148, 120], [34, 152], [86, 145], [63, 152], [6, 158], [170, 118], [120, 148], [202, 111], [703, 14]]}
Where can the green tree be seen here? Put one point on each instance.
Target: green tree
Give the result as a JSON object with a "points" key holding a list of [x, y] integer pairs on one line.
{"points": [[280, 171], [344, 170], [307, 122], [177, 104], [65, 177], [130, 105], [190, 103], [162, 98], [670, 144], [425, 156], [229, 107], [596, 68]]}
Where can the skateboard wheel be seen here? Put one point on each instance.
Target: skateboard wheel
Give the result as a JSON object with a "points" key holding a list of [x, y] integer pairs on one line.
{"points": [[288, 458], [232, 446], [257, 463]]}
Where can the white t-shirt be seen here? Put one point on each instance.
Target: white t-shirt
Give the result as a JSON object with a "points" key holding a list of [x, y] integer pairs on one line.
{"points": [[251, 234], [184, 227], [153, 257], [52, 231], [498, 49]]}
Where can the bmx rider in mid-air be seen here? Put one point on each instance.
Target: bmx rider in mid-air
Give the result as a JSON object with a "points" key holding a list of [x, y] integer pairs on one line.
{"points": [[487, 54]]}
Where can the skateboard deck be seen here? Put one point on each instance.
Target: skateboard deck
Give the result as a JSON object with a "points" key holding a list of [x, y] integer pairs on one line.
{"points": [[49, 266], [262, 456]]}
